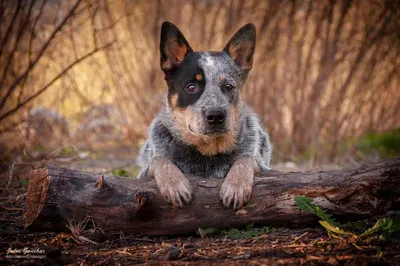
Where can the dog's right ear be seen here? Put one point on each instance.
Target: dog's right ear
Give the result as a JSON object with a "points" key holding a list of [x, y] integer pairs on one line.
{"points": [[173, 46]]}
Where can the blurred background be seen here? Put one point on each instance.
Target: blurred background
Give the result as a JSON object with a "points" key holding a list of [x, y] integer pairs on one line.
{"points": [[80, 79]]}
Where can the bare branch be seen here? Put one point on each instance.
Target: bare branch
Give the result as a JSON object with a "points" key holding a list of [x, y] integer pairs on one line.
{"points": [[29, 99], [41, 52]]}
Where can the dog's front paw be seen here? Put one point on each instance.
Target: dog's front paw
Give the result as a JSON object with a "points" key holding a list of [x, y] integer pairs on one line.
{"points": [[238, 185], [174, 187], [235, 192], [176, 190]]}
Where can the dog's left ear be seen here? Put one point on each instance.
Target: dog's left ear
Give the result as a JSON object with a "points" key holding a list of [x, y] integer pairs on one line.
{"points": [[242, 45]]}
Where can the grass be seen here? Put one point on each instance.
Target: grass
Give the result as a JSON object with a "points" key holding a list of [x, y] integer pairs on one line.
{"points": [[387, 144], [130, 171]]}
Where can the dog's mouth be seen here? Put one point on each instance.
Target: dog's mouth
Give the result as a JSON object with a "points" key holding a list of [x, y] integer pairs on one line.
{"points": [[211, 132]]}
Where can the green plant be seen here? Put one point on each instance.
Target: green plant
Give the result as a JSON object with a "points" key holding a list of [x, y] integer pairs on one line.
{"points": [[307, 204], [382, 229], [24, 182], [387, 144], [120, 172], [66, 150]]}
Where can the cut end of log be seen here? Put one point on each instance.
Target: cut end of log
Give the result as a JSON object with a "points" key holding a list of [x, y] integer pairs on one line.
{"points": [[37, 191]]}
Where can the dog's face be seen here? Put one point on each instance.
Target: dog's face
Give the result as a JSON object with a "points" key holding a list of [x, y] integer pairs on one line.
{"points": [[204, 95]]}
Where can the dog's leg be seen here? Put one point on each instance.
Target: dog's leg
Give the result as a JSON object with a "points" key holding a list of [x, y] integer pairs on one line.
{"points": [[173, 185], [238, 185]]}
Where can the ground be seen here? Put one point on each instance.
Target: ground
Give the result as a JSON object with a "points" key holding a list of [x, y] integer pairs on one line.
{"points": [[273, 246]]}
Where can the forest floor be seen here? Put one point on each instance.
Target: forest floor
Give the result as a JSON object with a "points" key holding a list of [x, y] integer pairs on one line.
{"points": [[274, 246]]}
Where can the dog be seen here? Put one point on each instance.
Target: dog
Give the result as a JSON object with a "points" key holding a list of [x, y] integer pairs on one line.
{"points": [[205, 128]]}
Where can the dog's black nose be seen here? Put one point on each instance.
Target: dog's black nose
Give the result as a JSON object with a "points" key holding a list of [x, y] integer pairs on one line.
{"points": [[215, 116]]}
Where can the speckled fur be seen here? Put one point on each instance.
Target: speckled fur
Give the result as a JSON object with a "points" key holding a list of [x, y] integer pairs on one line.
{"points": [[176, 137]]}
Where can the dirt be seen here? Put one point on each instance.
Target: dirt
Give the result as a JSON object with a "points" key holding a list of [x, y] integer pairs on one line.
{"points": [[279, 246]]}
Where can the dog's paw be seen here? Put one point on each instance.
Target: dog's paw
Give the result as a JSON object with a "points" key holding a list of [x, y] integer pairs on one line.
{"points": [[176, 190], [174, 187], [238, 185], [235, 192]]}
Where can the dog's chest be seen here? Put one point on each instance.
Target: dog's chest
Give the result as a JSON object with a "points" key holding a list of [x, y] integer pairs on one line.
{"points": [[192, 162]]}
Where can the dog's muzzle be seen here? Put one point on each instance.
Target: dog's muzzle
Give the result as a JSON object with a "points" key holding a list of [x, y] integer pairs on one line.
{"points": [[215, 121]]}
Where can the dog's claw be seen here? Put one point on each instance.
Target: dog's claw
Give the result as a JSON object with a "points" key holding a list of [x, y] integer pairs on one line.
{"points": [[234, 197], [176, 191], [176, 201], [174, 187], [237, 187], [235, 194]]}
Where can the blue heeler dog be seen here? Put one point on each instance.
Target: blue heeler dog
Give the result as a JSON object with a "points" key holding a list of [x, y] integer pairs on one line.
{"points": [[205, 129]]}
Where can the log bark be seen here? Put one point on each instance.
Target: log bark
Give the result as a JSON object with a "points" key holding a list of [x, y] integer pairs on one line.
{"points": [[58, 196]]}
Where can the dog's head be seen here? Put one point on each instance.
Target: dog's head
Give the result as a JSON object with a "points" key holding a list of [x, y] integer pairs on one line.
{"points": [[204, 95]]}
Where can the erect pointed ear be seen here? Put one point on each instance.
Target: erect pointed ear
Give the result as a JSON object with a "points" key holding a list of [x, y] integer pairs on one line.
{"points": [[173, 46], [242, 45]]}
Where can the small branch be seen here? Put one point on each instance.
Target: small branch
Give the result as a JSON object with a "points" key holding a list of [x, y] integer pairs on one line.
{"points": [[30, 47], [11, 208], [12, 166], [8, 65], [41, 52], [10, 26]]}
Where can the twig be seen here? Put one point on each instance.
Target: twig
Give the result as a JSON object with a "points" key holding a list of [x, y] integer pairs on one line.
{"points": [[299, 237], [10, 26], [23, 195], [30, 47], [55, 153], [10, 177], [11, 209], [353, 161], [143, 239]]}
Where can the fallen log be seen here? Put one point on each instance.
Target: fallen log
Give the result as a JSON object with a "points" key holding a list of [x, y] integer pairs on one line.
{"points": [[58, 196]]}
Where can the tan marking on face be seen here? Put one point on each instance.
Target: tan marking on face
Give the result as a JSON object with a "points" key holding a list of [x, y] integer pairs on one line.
{"points": [[222, 77], [174, 100], [210, 146], [207, 145], [180, 116], [199, 77], [234, 116]]}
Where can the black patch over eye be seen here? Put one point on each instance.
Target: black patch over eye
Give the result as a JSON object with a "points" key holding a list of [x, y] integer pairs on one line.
{"points": [[191, 88], [188, 81]]}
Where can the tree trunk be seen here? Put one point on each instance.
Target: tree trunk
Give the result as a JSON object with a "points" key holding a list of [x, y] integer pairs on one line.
{"points": [[58, 196]]}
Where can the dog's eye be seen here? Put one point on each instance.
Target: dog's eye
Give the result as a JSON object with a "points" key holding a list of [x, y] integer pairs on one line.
{"points": [[191, 88], [228, 87]]}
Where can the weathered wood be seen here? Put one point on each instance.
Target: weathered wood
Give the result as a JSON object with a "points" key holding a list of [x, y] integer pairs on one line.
{"points": [[57, 196]]}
